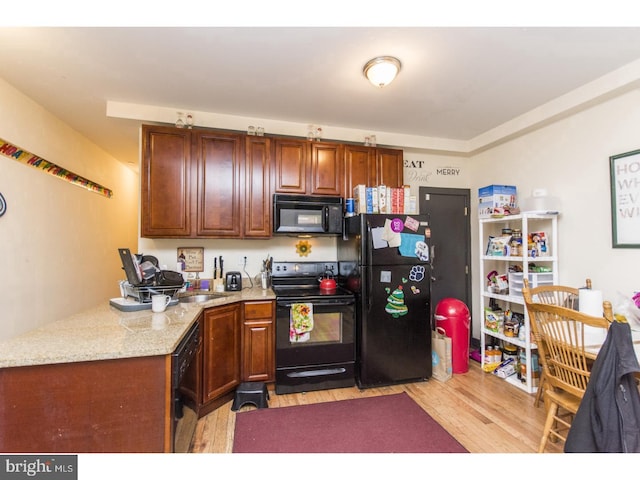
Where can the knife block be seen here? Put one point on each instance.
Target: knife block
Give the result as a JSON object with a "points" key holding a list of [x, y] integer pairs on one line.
{"points": [[217, 285]]}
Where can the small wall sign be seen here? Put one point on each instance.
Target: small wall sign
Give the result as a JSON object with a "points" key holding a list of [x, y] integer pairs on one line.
{"points": [[191, 259], [625, 199]]}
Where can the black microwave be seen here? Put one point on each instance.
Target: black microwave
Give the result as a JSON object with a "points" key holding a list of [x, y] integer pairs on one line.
{"points": [[307, 215]]}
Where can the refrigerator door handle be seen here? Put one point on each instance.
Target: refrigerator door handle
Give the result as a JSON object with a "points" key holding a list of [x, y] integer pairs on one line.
{"points": [[369, 245], [369, 287], [433, 253]]}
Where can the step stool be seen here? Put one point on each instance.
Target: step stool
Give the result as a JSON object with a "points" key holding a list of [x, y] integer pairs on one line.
{"points": [[251, 392]]}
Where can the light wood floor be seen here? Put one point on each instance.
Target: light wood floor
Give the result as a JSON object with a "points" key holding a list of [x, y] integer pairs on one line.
{"points": [[483, 412]]}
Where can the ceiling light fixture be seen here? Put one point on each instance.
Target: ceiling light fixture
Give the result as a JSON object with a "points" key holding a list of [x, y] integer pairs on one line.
{"points": [[381, 70]]}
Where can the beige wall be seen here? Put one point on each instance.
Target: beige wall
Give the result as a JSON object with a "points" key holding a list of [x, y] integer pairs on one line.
{"points": [[58, 241], [570, 158]]}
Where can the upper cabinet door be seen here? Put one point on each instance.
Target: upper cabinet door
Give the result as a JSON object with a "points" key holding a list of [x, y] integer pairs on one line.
{"points": [[219, 157], [166, 182], [257, 194], [390, 167], [291, 159], [326, 168], [359, 167]]}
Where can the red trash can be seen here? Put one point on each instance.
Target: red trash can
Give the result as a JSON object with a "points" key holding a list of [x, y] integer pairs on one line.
{"points": [[453, 316]]}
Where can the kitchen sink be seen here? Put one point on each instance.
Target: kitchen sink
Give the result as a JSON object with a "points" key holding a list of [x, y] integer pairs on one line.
{"points": [[202, 297]]}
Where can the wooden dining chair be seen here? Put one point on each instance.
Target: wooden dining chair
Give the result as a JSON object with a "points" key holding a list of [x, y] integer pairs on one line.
{"points": [[561, 295], [560, 334]]}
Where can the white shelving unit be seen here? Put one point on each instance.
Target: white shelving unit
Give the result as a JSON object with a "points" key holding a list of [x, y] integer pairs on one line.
{"points": [[528, 223]]}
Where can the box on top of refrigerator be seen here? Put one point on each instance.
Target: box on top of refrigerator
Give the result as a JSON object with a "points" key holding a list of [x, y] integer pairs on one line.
{"points": [[497, 199]]}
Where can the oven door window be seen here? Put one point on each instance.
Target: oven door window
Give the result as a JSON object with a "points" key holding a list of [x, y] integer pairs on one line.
{"points": [[308, 327], [315, 330]]}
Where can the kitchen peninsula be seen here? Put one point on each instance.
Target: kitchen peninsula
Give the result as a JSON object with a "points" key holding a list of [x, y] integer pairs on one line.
{"points": [[101, 380]]}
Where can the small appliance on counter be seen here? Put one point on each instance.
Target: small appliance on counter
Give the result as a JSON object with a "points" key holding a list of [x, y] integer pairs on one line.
{"points": [[233, 282]]}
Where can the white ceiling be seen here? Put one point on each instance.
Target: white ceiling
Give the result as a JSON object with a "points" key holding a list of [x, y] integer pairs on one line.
{"points": [[457, 84]]}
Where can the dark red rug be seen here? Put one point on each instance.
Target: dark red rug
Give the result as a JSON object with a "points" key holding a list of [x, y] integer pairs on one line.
{"points": [[384, 424]]}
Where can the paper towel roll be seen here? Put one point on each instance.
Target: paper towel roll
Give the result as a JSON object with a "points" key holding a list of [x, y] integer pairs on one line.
{"points": [[590, 302]]}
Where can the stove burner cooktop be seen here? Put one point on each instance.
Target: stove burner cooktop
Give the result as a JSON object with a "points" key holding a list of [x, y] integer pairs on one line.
{"points": [[302, 279]]}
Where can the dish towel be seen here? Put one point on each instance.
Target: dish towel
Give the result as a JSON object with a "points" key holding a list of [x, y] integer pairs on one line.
{"points": [[301, 322]]}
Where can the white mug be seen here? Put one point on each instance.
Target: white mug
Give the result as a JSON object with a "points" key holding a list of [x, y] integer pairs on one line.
{"points": [[159, 302]]}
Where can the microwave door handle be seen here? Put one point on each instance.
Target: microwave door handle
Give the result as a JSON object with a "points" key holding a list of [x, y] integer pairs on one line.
{"points": [[325, 219]]}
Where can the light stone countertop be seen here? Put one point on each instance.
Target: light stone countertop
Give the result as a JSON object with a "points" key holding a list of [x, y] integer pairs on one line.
{"points": [[104, 333]]}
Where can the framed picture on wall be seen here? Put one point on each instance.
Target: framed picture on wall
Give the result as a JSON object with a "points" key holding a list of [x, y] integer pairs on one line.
{"points": [[191, 259], [625, 199]]}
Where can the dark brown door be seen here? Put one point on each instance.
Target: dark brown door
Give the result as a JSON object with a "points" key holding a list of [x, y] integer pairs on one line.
{"points": [[219, 158], [448, 209], [291, 157], [359, 167], [390, 167], [257, 194], [166, 182], [326, 168], [221, 351], [258, 342]]}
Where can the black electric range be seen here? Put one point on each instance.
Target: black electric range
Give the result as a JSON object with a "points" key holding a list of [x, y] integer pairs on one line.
{"points": [[319, 353]]}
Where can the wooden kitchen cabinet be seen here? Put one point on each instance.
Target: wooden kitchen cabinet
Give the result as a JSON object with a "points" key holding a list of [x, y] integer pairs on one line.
{"points": [[238, 344], [106, 406], [327, 165], [203, 183], [290, 165], [389, 167], [258, 342], [219, 158], [359, 167], [311, 168], [166, 178], [257, 188], [372, 166], [220, 355]]}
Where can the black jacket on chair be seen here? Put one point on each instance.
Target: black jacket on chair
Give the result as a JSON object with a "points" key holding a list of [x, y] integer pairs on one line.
{"points": [[608, 419]]}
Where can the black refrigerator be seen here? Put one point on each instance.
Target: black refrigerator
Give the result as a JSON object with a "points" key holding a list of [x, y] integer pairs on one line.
{"points": [[385, 260]]}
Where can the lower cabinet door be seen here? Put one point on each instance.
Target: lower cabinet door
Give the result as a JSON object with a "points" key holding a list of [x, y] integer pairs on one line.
{"points": [[221, 351], [258, 342]]}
